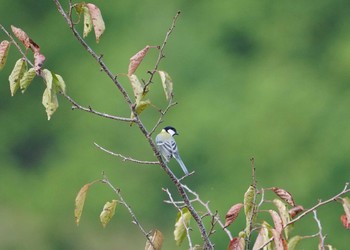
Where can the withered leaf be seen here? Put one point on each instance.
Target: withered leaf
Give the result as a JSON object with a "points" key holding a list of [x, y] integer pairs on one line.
{"points": [[136, 59], [4, 49], [156, 239], [232, 214], [284, 195]]}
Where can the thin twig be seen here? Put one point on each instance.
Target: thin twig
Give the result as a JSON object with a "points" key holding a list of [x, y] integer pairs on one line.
{"points": [[91, 110], [182, 217], [126, 158], [161, 52], [162, 114], [321, 236], [133, 216], [254, 210]]}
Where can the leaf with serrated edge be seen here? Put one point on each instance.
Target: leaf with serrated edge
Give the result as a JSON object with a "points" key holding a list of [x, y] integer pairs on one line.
{"points": [[181, 223], [16, 75], [97, 20], [50, 102], [167, 84], [284, 195], [79, 202], [156, 239], [136, 59], [293, 242], [4, 50], [108, 212], [27, 78], [232, 214], [346, 206]]}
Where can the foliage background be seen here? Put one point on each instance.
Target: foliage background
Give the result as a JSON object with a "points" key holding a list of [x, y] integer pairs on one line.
{"points": [[268, 79]]}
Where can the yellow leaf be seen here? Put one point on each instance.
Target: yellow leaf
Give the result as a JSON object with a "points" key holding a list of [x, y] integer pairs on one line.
{"points": [[182, 222], [16, 75], [4, 49], [27, 78], [108, 212], [59, 83], [136, 87], [87, 21], [79, 202], [97, 20], [50, 102], [156, 239], [167, 84]]}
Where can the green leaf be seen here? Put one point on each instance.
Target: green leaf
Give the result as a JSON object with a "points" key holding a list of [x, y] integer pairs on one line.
{"points": [[248, 203], [87, 21], [4, 50], [97, 20], [108, 212], [59, 83], [16, 75], [47, 75], [50, 102], [167, 84], [27, 78], [79, 202], [182, 222]]}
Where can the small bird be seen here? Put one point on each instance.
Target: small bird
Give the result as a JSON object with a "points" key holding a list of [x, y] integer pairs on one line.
{"points": [[167, 146]]}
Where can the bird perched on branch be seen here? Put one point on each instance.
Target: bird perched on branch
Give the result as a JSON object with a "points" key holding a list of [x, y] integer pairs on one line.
{"points": [[167, 146]]}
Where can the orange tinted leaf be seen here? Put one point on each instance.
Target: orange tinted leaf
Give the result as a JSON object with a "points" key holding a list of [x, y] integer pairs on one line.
{"points": [[236, 243], [294, 211], [232, 214], [156, 239], [97, 20], [21, 35], [277, 221], [137, 59], [344, 221], [4, 49], [284, 195], [79, 202]]}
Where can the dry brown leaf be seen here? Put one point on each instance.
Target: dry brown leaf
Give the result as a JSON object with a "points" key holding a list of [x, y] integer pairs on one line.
{"points": [[21, 35], [137, 59], [4, 49], [232, 214], [294, 211], [39, 60], [237, 243], [285, 195], [156, 239], [79, 202]]}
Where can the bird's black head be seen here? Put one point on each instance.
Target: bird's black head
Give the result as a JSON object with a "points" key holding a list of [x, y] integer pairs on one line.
{"points": [[171, 130]]}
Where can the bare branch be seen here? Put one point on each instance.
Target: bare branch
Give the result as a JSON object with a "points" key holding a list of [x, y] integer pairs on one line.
{"points": [[162, 114], [133, 216], [90, 110], [321, 236], [126, 158], [161, 51]]}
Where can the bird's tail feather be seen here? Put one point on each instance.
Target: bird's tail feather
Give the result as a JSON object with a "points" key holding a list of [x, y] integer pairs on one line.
{"points": [[182, 165]]}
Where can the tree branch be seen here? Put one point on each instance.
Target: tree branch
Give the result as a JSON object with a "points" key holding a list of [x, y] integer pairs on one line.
{"points": [[126, 158]]}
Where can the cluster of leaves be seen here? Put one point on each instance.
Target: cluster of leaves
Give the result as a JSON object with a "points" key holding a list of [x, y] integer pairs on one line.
{"points": [[22, 75], [276, 236]]}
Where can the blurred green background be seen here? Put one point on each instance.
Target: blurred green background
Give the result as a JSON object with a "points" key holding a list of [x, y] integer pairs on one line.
{"points": [[268, 79]]}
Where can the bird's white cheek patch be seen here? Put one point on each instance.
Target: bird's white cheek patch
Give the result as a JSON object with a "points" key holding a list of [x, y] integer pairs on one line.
{"points": [[171, 132]]}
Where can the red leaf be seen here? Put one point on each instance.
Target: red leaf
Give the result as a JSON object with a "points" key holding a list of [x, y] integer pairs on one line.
{"points": [[345, 221], [284, 195], [137, 59], [39, 60], [21, 35], [295, 210], [232, 214], [236, 243], [277, 238]]}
